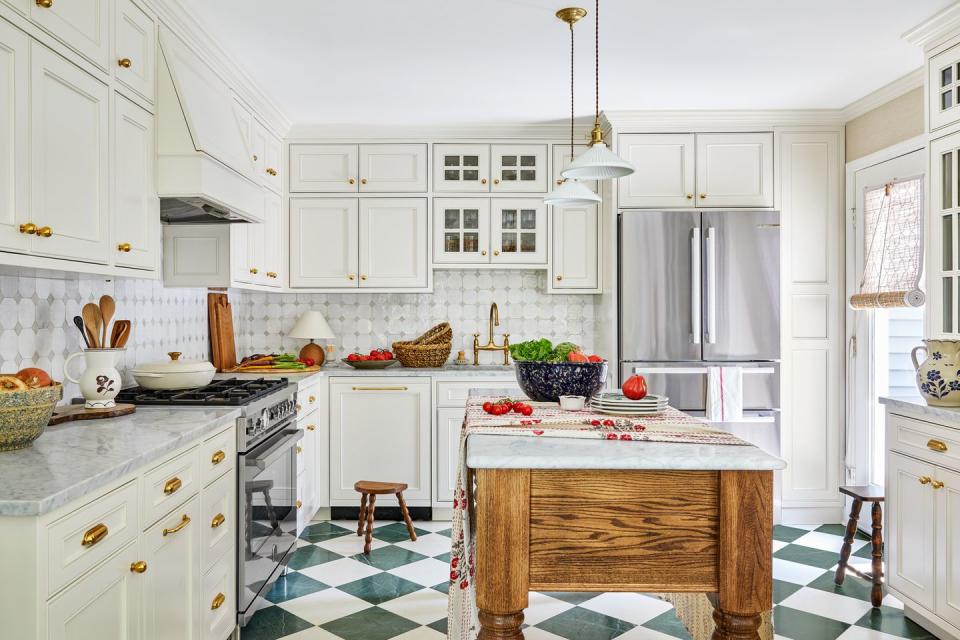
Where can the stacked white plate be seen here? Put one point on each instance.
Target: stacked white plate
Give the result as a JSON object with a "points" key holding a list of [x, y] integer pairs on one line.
{"points": [[619, 404]]}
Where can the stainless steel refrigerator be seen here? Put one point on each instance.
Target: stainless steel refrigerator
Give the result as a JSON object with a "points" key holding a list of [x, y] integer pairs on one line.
{"points": [[700, 289]]}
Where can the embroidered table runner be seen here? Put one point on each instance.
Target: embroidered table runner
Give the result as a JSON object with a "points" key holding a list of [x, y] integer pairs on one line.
{"points": [[549, 421]]}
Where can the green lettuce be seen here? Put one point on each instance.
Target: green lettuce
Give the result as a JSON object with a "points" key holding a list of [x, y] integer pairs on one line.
{"points": [[535, 350], [561, 351]]}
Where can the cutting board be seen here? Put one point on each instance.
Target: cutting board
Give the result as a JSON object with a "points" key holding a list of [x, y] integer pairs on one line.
{"points": [[69, 413], [222, 341], [272, 371]]}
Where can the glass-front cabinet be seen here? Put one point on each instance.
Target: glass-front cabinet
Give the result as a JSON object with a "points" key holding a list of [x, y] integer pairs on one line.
{"points": [[943, 84], [519, 168], [497, 168], [501, 231], [461, 230], [518, 231], [944, 263], [463, 168]]}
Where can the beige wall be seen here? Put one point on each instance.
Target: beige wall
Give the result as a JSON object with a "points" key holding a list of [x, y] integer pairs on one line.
{"points": [[890, 123]]}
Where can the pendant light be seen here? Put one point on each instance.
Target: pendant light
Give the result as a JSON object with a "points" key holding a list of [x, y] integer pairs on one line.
{"points": [[598, 162], [571, 192]]}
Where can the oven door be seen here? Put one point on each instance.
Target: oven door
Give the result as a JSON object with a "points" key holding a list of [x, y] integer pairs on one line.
{"points": [[268, 504]]}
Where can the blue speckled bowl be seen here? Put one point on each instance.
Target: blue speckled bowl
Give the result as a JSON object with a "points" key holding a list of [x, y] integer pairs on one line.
{"points": [[547, 381]]}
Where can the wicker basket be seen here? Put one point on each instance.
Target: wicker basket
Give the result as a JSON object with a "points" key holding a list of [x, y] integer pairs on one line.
{"points": [[432, 349], [443, 332]]}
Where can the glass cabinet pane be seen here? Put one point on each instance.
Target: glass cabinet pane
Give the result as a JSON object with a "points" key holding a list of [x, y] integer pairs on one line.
{"points": [[471, 218], [508, 219], [451, 242], [451, 218], [471, 242], [508, 242], [509, 175], [471, 174], [451, 174], [528, 174], [946, 99], [471, 161], [452, 161], [528, 243], [946, 172], [528, 219], [946, 77], [947, 302], [508, 161], [528, 161], [947, 246]]}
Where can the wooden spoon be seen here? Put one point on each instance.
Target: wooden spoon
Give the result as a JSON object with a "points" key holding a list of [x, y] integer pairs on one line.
{"points": [[107, 308], [92, 320], [121, 332]]}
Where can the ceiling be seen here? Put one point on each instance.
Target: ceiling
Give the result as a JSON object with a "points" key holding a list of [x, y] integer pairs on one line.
{"points": [[490, 61]]}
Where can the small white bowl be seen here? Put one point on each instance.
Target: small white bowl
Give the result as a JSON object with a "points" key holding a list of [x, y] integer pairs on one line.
{"points": [[572, 403]]}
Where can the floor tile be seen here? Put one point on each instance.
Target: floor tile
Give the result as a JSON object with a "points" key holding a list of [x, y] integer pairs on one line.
{"points": [[644, 633], [841, 530], [828, 605], [433, 525], [426, 572], [535, 633], [313, 633], [892, 621], [583, 624], [444, 557], [293, 585], [573, 597], [432, 544], [423, 606], [440, 625], [322, 531], [862, 633], [807, 555], [777, 545], [852, 586], [370, 624], [339, 571], [311, 555], [324, 606], [800, 625], [442, 587], [350, 544], [669, 625], [787, 534], [388, 557], [380, 588], [395, 532], [795, 572], [422, 633], [543, 607], [272, 623], [632, 607], [444, 532], [827, 542], [782, 589]]}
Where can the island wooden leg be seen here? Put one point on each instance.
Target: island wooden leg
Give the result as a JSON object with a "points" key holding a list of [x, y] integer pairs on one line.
{"points": [[746, 561], [502, 551]]}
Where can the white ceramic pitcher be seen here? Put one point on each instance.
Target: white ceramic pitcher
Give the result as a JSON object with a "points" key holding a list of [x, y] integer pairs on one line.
{"points": [[938, 376], [100, 381]]}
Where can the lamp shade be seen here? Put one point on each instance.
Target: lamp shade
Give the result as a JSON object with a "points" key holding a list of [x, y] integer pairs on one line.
{"points": [[571, 193], [311, 326], [598, 163]]}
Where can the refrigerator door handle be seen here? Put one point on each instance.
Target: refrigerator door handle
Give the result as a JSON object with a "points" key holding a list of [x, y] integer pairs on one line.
{"points": [[711, 275], [699, 371], [695, 311]]}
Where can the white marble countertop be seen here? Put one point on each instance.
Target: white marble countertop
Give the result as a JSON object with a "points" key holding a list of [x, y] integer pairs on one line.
{"points": [[447, 371], [919, 407], [71, 460]]}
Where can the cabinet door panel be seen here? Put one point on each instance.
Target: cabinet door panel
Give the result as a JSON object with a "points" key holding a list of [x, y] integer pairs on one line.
{"points": [[461, 230], [256, 253], [518, 231], [70, 158], [219, 519], [562, 160], [380, 429], [910, 528], [449, 422], [664, 175], [574, 263], [461, 168], [273, 256], [393, 242], [948, 555], [943, 85], [519, 168], [735, 170], [136, 207], [219, 602], [324, 239], [135, 42], [81, 24], [14, 156], [319, 168], [393, 167]]}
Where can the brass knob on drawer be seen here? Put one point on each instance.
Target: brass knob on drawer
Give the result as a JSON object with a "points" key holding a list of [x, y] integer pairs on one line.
{"points": [[350, 276], [925, 479], [299, 407], [218, 457], [271, 274], [46, 4], [94, 534], [311, 427], [937, 445], [172, 485], [28, 228], [254, 270], [484, 252], [312, 399], [496, 181], [218, 520], [363, 277], [254, 157], [496, 253], [936, 484], [138, 567], [45, 232], [271, 171], [126, 63], [218, 601], [124, 247], [483, 181]]}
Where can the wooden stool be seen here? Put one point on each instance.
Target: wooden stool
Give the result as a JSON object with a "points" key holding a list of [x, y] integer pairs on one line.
{"points": [[870, 493], [370, 490]]}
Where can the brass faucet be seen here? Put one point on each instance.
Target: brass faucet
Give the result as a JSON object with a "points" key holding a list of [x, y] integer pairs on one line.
{"points": [[491, 345]]}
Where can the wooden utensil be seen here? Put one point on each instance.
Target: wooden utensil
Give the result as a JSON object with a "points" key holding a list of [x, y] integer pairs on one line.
{"points": [[77, 320], [92, 321], [107, 308], [120, 334]]}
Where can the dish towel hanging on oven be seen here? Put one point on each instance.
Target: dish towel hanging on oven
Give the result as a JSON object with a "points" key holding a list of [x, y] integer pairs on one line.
{"points": [[724, 394]]}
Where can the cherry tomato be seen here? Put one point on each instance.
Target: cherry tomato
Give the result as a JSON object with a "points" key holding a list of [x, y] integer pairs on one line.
{"points": [[487, 406], [526, 410], [353, 357], [517, 406]]}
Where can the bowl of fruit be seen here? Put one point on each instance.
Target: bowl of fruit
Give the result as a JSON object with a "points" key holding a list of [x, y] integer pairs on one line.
{"points": [[376, 359], [545, 372], [27, 400]]}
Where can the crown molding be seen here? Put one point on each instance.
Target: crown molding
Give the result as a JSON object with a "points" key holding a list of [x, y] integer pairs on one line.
{"points": [[938, 27], [175, 16], [886, 93], [706, 120], [465, 131]]}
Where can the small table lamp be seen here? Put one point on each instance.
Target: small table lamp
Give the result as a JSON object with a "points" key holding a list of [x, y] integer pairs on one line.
{"points": [[312, 326]]}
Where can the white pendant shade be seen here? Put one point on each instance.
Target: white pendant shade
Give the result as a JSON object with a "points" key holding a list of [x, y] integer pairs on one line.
{"points": [[311, 326], [571, 193], [598, 163]]}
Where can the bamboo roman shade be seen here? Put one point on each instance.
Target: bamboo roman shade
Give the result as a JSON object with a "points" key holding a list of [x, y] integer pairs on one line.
{"points": [[893, 246]]}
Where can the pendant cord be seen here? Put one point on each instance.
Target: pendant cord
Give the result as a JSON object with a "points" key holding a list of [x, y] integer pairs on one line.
{"points": [[596, 31], [571, 92]]}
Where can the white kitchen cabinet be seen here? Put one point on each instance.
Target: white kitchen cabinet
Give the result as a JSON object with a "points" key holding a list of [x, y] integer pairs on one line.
{"points": [[910, 528], [84, 25], [947, 573], [943, 265], [664, 173], [262, 146], [943, 86], [449, 423], [393, 243], [324, 168], [107, 603], [393, 168], [562, 160], [461, 230], [70, 200], [273, 242], [135, 49], [734, 169], [491, 231], [575, 262], [519, 168], [461, 168], [23, 6], [135, 214], [14, 133], [272, 162], [324, 242], [518, 231], [380, 430], [218, 522], [218, 602], [172, 594]]}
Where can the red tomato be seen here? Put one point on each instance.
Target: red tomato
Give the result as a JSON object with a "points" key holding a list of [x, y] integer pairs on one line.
{"points": [[635, 388], [388, 355], [353, 357], [526, 410], [576, 356], [487, 406], [594, 358], [373, 352], [517, 406], [501, 409]]}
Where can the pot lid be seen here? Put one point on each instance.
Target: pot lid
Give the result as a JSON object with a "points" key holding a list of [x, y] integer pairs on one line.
{"points": [[174, 365]]}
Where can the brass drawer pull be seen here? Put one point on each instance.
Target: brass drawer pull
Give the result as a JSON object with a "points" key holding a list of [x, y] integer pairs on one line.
{"points": [[94, 535], [271, 274], [28, 228], [46, 4], [299, 407], [183, 522], [925, 479], [45, 232], [218, 520], [125, 247], [937, 445], [379, 388], [254, 270], [172, 485], [936, 484], [138, 567], [703, 196], [218, 601], [218, 457]]}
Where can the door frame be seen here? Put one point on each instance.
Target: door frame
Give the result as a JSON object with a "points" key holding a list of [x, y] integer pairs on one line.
{"points": [[857, 433]]}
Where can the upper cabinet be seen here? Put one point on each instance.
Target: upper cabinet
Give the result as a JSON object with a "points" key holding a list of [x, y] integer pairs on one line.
{"points": [[83, 25], [393, 243], [519, 168], [497, 168], [562, 160], [14, 135], [352, 168], [324, 242], [724, 170], [574, 261], [263, 148], [943, 84], [135, 50], [135, 219], [494, 231], [461, 167]]}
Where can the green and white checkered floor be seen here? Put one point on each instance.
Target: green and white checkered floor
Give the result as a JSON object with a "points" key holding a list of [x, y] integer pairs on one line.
{"points": [[399, 592]]}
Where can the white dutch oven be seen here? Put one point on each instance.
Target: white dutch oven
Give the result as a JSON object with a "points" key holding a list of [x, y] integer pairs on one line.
{"points": [[174, 374]]}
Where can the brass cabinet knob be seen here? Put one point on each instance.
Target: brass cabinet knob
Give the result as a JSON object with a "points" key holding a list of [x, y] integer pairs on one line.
{"points": [[483, 181], [936, 484], [218, 601], [218, 520], [925, 479], [937, 445], [271, 171], [94, 534], [138, 567], [559, 278], [299, 406], [28, 228], [172, 485], [363, 277], [559, 180], [299, 504], [350, 276], [496, 181], [254, 270], [689, 196], [363, 181], [311, 427], [299, 449], [218, 457], [126, 63], [124, 247], [484, 252], [496, 253], [271, 274], [254, 157], [351, 181], [45, 232], [312, 399], [46, 4], [703, 196]]}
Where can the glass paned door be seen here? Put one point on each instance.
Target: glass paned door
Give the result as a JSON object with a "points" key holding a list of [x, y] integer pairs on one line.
{"points": [[519, 231], [519, 168], [461, 228], [945, 196], [461, 168]]}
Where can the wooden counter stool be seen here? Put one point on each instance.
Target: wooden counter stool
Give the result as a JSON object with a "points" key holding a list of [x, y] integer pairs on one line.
{"points": [[369, 491], [870, 493]]}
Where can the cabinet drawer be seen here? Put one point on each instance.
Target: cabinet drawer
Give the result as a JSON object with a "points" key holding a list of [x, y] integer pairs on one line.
{"points": [[169, 485], [217, 601], [924, 440], [218, 454], [218, 518], [84, 538], [308, 398], [454, 394]]}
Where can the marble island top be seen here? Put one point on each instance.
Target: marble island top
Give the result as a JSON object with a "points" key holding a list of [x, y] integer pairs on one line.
{"points": [[73, 459], [447, 371]]}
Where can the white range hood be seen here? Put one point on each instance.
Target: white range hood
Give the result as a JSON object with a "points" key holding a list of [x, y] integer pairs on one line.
{"points": [[205, 173]]}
